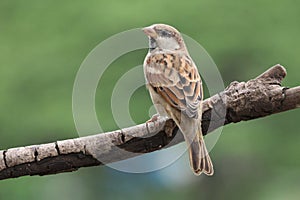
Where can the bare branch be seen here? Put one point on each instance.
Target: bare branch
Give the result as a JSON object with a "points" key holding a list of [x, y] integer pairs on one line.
{"points": [[256, 98]]}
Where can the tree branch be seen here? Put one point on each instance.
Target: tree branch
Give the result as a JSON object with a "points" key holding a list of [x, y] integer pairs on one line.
{"points": [[256, 98]]}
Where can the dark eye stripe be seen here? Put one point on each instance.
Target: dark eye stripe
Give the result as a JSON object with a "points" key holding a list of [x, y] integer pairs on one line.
{"points": [[164, 33]]}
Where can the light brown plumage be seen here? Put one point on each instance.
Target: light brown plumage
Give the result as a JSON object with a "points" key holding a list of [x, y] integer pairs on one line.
{"points": [[176, 89]]}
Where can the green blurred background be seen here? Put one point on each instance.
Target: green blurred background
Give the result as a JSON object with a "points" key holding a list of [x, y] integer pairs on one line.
{"points": [[43, 43]]}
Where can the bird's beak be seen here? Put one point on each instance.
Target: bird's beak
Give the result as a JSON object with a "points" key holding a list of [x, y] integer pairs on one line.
{"points": [[150, 31]]}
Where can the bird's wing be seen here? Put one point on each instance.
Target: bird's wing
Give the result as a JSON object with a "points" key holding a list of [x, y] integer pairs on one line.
{"points": [[176, 79]]}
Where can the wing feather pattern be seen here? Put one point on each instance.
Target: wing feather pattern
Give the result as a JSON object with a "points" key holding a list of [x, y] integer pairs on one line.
{"points": [[176, 80]]}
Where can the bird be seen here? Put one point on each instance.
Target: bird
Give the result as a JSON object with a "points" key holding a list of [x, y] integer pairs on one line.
{"points": [[175, 88]]}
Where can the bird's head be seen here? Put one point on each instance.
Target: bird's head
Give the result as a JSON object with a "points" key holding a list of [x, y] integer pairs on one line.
{"points": [[164, 37]]}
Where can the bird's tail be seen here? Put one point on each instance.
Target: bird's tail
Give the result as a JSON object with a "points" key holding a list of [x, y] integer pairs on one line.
{"points": [[192, 131], [199, 157]]}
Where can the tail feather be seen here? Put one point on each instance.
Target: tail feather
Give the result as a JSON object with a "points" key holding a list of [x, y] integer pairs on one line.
{"points": [[199, 158], [191, 129]]}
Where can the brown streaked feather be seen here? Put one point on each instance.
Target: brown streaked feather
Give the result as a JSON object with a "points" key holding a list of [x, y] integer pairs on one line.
{"points": [[179, 84]]}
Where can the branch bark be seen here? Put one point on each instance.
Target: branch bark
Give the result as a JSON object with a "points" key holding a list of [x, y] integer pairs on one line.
{"points": [[240, 101]]}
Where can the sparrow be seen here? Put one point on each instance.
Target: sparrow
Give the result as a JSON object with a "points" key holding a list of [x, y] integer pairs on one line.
{"points": [[176, 90]]}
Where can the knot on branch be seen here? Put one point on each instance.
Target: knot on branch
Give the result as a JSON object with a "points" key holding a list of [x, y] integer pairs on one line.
{"points": [[256, 98], [274, 75]]}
